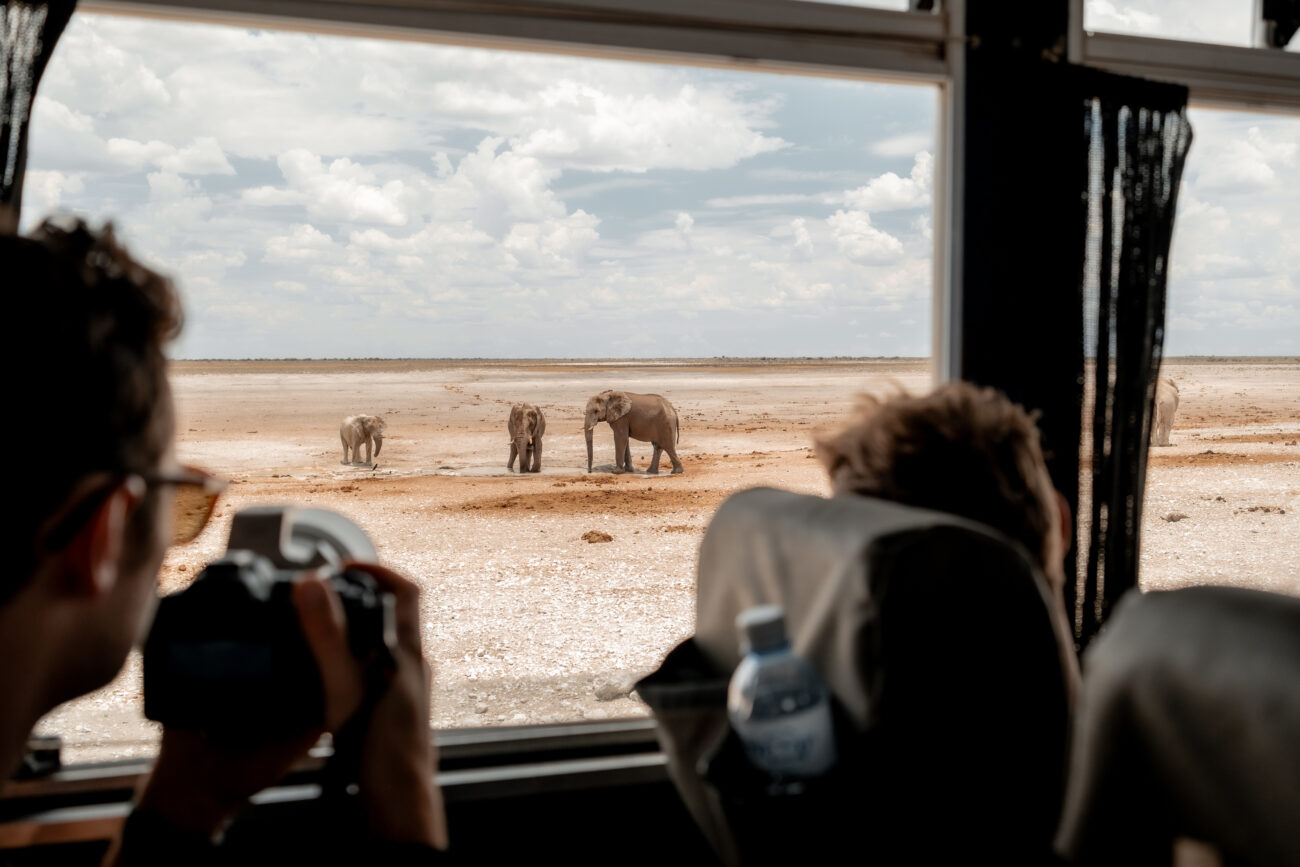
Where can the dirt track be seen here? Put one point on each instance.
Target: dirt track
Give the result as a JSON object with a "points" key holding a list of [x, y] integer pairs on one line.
{"points": [[526, 622]]}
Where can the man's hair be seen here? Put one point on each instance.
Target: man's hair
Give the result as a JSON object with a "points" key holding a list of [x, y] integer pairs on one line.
{"points": [[961, 449], [90, 377]]}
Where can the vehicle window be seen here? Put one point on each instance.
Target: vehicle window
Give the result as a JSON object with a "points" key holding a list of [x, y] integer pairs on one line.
{"points": [[1223, 498], [1225, 22], [433, 234]]}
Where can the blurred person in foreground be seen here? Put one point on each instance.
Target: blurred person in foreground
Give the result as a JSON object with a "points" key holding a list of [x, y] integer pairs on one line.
{"points": [[94, 519], [964, 450]]}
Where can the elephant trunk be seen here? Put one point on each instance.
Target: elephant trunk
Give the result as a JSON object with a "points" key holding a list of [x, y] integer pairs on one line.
{"points": [[588, 432], [379, 444]]}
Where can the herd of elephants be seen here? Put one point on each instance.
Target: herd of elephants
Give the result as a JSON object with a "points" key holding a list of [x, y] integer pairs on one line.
{"points": [[646, 417]]}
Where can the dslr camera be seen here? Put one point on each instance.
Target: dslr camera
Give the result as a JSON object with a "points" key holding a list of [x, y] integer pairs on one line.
{"points": [[226, 655]]}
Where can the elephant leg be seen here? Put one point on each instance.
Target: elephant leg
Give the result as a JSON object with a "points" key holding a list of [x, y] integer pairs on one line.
{"points": [[622, 452], [654, 459], [514, 450], [537, 455], [672, 456]]}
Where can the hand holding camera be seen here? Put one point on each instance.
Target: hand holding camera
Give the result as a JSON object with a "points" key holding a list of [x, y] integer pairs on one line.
{"points": [[288, 635]]}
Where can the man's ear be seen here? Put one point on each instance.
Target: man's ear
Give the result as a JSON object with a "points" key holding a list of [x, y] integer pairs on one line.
{"points": [[96, 551]]}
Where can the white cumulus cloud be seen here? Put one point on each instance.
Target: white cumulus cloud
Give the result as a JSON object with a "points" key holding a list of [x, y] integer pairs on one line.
{"points": [[861, 241], [342, 190], [889, 192]]}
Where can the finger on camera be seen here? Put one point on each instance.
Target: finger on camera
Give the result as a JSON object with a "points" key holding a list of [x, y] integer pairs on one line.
{"points": [[324, 626], [406, 594]]}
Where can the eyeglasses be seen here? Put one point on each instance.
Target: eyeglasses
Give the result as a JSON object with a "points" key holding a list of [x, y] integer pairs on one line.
{"points": [[197, 492]]}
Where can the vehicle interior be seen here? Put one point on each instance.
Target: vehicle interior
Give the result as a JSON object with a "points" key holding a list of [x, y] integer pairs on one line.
{"points": [[1042, 126]]}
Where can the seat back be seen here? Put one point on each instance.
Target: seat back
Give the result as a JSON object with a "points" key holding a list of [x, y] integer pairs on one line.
{"points": [[934, 636]]}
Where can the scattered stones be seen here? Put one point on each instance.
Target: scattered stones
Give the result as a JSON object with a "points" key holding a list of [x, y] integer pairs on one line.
{"points": [[480, 708], [594, 536], [1220, 500], [1174, 517], [1266, 509]]}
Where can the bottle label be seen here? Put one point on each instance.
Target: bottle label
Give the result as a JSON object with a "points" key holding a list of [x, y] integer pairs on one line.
{"points": [[801, 744]]}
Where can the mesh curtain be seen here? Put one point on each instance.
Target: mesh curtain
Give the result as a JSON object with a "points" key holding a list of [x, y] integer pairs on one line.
{"points": [[28, 33], [1137, 135]]}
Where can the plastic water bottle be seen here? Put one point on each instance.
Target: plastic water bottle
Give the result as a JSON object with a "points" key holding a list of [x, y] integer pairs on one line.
{"points": [[777, 703]]}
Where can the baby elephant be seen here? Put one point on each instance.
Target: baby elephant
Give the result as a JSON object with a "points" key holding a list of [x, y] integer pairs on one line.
{"points": [[1166, 406], [526, 426], [359, 429]]}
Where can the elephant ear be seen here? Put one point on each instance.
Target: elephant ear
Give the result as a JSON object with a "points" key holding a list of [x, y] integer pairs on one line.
{"points": [[619, 405], [541, 423]]}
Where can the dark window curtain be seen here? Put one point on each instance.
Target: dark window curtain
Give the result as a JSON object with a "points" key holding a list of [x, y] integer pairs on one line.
{"points": [[28, 34], [1137, 135], [1281, 20]]}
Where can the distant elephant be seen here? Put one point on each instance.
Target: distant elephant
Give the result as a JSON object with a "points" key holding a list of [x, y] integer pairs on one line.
{"points": [[1166, 406], [646, 417], [526, 426], [359, 429]]}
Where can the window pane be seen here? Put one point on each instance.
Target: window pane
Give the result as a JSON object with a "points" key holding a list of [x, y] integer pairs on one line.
{"points": [[1224, 496], [556, 226], [1227, 22]]}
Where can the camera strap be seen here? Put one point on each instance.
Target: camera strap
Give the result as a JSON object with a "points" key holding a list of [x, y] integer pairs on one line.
{"points": [[341, 776]]}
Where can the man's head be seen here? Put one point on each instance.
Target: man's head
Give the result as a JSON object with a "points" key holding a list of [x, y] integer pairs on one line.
{"points": [[91, 399], [961, 449]]}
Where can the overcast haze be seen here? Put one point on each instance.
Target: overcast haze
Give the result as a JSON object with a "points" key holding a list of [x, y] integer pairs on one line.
{"points": [[319, 197]]}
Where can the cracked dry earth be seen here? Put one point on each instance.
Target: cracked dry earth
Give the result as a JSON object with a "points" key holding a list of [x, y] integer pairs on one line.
{"points": [[530, 614]]}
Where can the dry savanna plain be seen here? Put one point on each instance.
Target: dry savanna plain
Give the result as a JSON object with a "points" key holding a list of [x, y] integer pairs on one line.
{"points": [[527, 622]]}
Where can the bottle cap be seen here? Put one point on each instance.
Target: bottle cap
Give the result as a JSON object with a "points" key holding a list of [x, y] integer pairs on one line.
{"points": [[763, 627]]}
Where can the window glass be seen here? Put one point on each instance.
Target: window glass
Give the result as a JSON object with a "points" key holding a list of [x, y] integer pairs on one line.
{"points": [[1223, 498], [527, 228], [1227, 22]]}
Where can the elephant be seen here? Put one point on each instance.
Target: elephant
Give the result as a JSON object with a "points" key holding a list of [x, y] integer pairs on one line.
{"points": [[526, 425], [646, 417], [1166, 406], [359, 429]]}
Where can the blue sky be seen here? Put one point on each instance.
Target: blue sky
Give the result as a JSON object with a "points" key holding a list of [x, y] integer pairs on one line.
{"points": [[318, 197]]}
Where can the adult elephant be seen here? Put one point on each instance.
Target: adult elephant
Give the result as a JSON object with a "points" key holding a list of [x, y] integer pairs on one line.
{"points": [[646, 417], [526, 426], [358, 430], [1166, 406]]}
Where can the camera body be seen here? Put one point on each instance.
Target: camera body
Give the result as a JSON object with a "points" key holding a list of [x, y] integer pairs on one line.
{"points": [[226, 655]]}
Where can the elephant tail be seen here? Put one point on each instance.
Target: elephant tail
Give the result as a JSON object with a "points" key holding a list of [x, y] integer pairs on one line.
{"points": [[677, 423]]}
